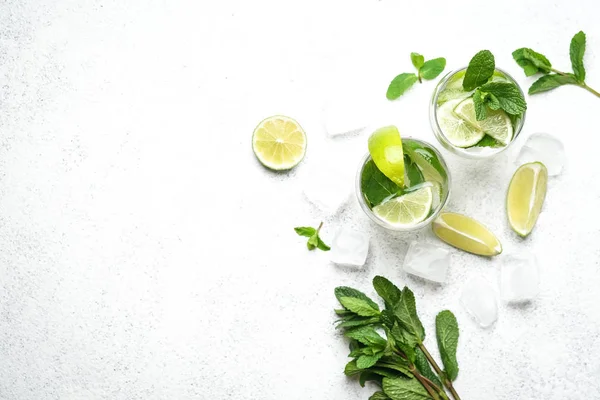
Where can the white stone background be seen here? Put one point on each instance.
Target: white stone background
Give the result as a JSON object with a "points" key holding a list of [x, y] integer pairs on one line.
{"points": [[145, 254]]}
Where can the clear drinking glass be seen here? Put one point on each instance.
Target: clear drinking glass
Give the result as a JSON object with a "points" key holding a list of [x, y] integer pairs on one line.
{"points": [[450, 88], [441, 195]]}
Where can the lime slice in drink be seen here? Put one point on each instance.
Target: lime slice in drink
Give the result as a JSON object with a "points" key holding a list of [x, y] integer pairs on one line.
{"points": [[466, 234], [408, 209], [279, 142], [497, 123], [525, 197], [385, 147], [457, 130], [456, 80]]}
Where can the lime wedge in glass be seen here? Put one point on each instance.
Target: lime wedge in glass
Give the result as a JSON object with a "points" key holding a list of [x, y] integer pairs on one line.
{"points": [[497, 123], [457, 130], [408, 209], [385, 147]]}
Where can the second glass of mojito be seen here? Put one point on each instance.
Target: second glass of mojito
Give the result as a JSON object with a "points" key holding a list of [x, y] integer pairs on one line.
{"points": [[401, 184], [454, 123]]}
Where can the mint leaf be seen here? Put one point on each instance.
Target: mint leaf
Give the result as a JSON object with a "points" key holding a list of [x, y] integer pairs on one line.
{"points": [[351, 369], [489, 141], [400, 84], [480, 70], [576, 52], [379, 396], [399, 341], [532, 62], [492, 101], [404, 389], [432, 68], [396, 363], [479, 103], [305, 231], [321, 245], [508, 95], [369, 375], [359, 306], [313, 241], [365, 361], [417, 60], [406, 312], [357, 321], [375, 186], [412, 174], [345, 291], [446, 328], [367, 336], [552, 81], [424, 368], [387, 291]]}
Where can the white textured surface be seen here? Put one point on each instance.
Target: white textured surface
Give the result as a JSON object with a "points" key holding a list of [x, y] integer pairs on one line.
{"points": [[146, 254]]}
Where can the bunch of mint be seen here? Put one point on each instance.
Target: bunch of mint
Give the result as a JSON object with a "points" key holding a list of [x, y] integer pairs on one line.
{"points": [[493, 95], [399, 362], [533, 63], [425, 70]]}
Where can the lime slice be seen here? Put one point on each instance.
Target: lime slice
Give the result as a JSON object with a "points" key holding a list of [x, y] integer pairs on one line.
{"points": [[385, 147], [526, 194], [458, 132], [451, 94], [456, 80], [279, 142], [497, 124], [406, 210], [466, 234]]}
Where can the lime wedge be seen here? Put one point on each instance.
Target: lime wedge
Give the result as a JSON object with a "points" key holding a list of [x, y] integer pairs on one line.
{"points": [[457, 130], [497, 123], [408, 209], [526, 194], [385, 147], [466, 234], [279, 142]]}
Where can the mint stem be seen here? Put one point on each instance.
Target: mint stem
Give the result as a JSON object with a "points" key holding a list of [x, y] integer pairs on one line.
{"points": [[447, 382], [581, 84], [319, 228], [424, 381]]}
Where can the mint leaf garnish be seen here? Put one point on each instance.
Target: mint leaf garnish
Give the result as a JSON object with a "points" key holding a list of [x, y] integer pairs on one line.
{"points": [[447, 337], [432, 68], [480, 70], [576, 52], [508, 95], [479, 103], [400, 84], [533, 63], [417, 60], [314, 240], [375, 186]]}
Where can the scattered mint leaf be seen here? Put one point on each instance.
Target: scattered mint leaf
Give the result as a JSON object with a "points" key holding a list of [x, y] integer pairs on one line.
{"points": [[552, 81], [508, 95], [387, 291], [417, 60], [314, 240], [480, 70], [432, 68], [379, 396], [404, 389], [527, 65], [489, 141], [479, 103], [532, 62], [375, 186], [406, 312], [446, 328], [424, 368], [400, 84], [576, 52]]}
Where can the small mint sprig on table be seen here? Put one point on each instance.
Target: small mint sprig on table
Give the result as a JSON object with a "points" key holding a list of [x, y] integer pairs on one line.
{"points": [[314, 240], [492, 95], [533, 63], [425, 70]]}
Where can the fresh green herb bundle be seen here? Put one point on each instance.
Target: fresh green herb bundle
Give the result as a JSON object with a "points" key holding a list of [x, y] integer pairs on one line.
{"points": [[533, 63], [429, 69], [398, 362]]}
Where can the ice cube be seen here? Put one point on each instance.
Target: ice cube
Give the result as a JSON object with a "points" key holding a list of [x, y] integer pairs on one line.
{"points": [[519, 277], [545, 148], [427, 261], [479, 299], [349, 247], [328, 191]]}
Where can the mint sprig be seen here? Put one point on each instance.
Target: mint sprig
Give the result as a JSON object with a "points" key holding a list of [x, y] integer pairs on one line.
{"points": [[399, 362], [492, 95], [425, 70], [314, 240], [534, 63]]}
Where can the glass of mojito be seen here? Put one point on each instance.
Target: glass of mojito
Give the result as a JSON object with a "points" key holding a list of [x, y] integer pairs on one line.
{"points": [[455, 123], [401, 184]]}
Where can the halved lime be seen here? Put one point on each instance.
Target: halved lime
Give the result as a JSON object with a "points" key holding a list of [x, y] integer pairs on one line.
{"points": [[408, 209], [466, 234], [525, 197], [385, 147], [497, 123], [458, 131], [279, 142]]}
